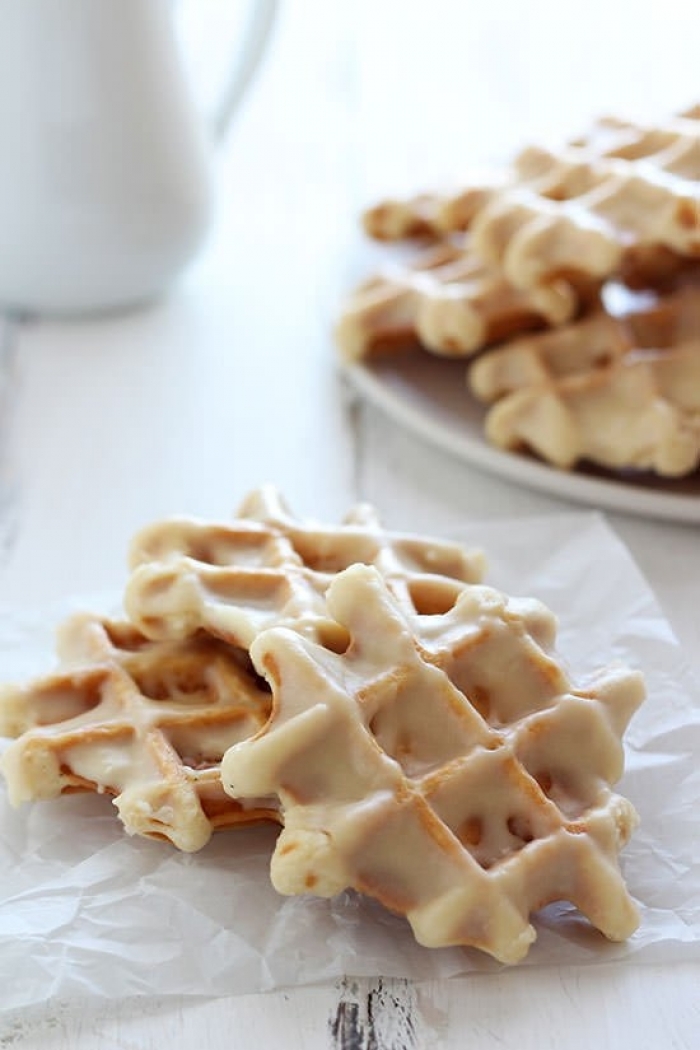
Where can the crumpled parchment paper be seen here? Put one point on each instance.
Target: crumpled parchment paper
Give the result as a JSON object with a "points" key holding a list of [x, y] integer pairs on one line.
{"points": [[87, 911]]}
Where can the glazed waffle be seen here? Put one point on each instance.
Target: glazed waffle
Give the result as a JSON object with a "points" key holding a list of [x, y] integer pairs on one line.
{"points": [[622, 200], [603, 338], [269, 568], [431, 215], [467, 821], [449, 302], [144, 722], [621, 392], [529, 246], [578, 212]]}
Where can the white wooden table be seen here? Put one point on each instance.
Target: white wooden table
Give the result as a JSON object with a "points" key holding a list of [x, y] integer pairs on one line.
{"points": [[231, 381]]}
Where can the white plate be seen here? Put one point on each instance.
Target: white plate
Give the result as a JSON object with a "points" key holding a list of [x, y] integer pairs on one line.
{"points": [[429, 396]]}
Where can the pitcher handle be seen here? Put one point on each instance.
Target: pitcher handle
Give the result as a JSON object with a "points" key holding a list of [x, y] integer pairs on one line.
{"points": [[257, 33]]}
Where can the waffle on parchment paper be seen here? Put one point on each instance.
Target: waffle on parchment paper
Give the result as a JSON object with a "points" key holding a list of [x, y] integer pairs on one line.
{"points": [[465, 822], [269, 568], [411, 729], [538, 245], [143, 709], [144, 722]]}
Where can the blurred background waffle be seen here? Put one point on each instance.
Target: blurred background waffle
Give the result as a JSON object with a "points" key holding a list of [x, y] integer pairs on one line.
{"points": [[598, 241]]}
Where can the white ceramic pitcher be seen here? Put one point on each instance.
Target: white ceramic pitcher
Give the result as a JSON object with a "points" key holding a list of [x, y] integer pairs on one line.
{"points": [[104, 168]]}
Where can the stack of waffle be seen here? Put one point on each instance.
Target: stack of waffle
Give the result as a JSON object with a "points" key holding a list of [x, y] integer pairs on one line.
{"points": [[410, 728], [539, 245]]}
